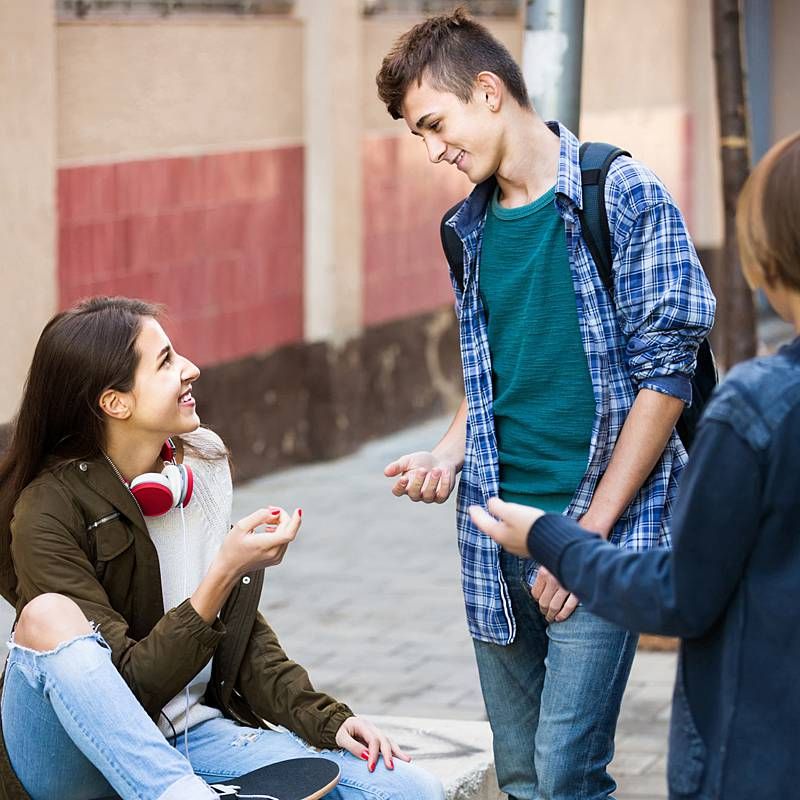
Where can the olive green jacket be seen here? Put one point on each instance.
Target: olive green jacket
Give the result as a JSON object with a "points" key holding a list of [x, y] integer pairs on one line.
{"points": [[77, 531]]}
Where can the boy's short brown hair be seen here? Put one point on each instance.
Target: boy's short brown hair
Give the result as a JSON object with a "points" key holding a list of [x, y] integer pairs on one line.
{"points": [[768, 215], [450, 51]]}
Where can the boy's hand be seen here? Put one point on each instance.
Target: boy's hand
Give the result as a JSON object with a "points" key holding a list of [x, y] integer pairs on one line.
{"points": [[511, 526], [510, 531], [422, 476], [555, 602]]}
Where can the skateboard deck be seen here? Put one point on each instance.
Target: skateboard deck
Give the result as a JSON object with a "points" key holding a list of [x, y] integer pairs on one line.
{"points": [[294, 779]]}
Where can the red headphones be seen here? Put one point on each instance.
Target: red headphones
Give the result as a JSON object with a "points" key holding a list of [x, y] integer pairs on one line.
{"points": [[158, 492]]}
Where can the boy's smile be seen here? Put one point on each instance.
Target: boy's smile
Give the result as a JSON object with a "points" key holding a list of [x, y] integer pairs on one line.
{"points": [[464, 135]]}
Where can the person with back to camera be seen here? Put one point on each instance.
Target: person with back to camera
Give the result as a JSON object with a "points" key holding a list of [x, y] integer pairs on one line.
{"points": [[572, 391], [103, 691], [731, 586]]}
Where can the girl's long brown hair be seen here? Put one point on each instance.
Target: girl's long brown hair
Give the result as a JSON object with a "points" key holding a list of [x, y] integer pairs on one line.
{"points": [[80, 353]]}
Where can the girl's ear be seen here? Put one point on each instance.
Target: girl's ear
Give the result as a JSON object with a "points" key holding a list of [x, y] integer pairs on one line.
{"points": [[114, 404]]}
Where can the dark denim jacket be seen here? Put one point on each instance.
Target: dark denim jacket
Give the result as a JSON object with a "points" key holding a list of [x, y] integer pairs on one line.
{"points": [[730, 589]]}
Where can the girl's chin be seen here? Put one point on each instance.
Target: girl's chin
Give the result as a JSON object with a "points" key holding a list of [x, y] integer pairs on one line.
{"points": [[189, 424]]}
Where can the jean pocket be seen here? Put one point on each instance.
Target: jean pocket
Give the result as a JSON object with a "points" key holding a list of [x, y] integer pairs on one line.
{"points": [[687, 752]]}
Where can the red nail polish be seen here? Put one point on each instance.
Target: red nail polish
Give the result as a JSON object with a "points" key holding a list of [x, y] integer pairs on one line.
{"points": [[274, 510], [300, 513], [391, 764], [365, 755], [372, 768]]}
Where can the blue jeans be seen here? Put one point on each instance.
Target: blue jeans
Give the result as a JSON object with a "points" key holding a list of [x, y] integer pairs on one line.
{"points": [[553, 698], [73, 730]]}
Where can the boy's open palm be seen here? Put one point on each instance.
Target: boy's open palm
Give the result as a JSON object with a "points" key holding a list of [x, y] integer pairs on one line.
{"points": [[422, 476]]}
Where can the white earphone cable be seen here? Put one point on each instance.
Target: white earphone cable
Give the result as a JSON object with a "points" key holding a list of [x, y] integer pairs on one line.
{"points": [[185, 594]]}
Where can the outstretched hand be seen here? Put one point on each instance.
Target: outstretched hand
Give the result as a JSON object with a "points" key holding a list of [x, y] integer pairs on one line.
{"points": [[361, 738], [422, 476], [246, 548], [508, 524]]}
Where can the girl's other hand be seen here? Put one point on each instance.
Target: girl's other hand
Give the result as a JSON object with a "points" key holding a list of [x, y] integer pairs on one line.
{"points": [[361, 738], [508, 524], [246, 548]]}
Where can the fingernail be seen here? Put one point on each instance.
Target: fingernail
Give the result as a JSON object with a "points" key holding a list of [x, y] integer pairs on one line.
{"points": [[365, 755], [372, 768], [274, 510], [300, 512], [391, 764]]}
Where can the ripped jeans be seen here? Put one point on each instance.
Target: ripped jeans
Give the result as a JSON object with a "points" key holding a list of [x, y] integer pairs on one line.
{"points": [[74, 731]]}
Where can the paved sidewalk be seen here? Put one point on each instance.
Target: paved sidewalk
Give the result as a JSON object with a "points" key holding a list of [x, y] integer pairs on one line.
{"points": [[368, 599]]}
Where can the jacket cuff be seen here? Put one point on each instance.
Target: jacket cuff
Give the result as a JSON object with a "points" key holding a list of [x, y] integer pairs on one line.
{"points": [[676, 385], [328, 736], [550, 535], [206, 635]]}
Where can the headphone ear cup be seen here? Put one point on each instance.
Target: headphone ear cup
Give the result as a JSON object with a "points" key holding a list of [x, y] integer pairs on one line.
{"points": [[154, 493], [173, 473], [188, 484]]}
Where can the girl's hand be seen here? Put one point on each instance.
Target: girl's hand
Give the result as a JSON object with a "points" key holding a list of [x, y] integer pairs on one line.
{"points": [[511, 526], [361, 738], [246, 548]]}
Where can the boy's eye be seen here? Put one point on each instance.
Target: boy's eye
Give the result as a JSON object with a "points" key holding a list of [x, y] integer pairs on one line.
{"points": [[167, 359]]}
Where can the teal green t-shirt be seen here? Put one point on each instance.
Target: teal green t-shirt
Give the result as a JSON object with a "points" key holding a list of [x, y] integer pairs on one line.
{"points": [[543, 398]]}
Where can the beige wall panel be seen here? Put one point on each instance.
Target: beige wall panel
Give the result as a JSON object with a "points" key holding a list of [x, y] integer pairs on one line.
{"points": [[785, 96], [27, 164], [706, 167], [168, 87], [655, 136], [635, 54], [378, 36]]}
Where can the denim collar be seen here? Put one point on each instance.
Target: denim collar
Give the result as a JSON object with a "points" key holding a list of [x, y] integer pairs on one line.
{"points": [[569, 191], [792, 349]]}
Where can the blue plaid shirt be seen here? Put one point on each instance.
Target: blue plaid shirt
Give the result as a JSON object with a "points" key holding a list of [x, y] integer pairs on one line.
{"points": [[646, 337]]}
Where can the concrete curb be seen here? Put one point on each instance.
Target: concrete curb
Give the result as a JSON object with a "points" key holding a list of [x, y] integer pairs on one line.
{"points": [[458, 752]]}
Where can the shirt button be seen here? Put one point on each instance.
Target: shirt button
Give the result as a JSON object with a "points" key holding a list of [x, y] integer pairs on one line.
{"points": [[83, 466], [246, 580]]}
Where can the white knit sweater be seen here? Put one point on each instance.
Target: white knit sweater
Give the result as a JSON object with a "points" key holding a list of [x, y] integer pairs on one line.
{"points": [[184, 564]]}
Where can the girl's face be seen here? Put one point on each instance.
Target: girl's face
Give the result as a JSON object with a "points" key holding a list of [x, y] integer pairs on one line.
{"points": [[161, 400]]}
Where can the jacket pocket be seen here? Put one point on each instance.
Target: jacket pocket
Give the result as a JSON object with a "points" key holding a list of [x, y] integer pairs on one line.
{"points": [[687, 752], [111, 539]]}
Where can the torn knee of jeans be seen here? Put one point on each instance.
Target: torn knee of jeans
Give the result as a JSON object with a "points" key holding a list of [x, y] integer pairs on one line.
{"points": [[95, 635]]}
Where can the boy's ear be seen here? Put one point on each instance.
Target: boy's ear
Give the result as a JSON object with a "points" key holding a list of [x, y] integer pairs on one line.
{"points": [[489, 89], [114, 404], [758, 277]]}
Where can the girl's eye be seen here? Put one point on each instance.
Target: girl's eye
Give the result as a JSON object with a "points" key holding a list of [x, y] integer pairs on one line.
{"points": [[167, 360], [435, 126]]}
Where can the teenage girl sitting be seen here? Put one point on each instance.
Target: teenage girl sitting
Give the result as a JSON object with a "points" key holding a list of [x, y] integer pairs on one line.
{"points": [[139, 661], [731, 586]]}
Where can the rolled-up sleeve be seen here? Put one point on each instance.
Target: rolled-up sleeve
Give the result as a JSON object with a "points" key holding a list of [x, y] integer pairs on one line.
{"points": [[663, 299]]}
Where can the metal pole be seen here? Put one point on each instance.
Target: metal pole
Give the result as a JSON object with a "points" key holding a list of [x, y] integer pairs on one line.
{"points": [[552, 54]]}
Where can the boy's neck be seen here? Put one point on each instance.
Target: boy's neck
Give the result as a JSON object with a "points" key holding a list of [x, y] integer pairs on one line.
{"points": [[529, 165]]}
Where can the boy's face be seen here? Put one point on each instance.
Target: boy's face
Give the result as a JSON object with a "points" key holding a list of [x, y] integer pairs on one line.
{"points": [[465, 135]]}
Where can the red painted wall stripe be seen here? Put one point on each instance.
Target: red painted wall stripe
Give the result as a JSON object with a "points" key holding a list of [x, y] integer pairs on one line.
{"points": [[217, 238], [405, 271]]}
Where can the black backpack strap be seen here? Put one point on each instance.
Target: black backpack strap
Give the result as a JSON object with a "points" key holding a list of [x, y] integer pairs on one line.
{"points": [[596, 158], [452, 246]]}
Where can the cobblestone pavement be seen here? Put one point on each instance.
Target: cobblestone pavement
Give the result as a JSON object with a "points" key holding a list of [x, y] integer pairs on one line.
{"points": [[368, 599]]}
